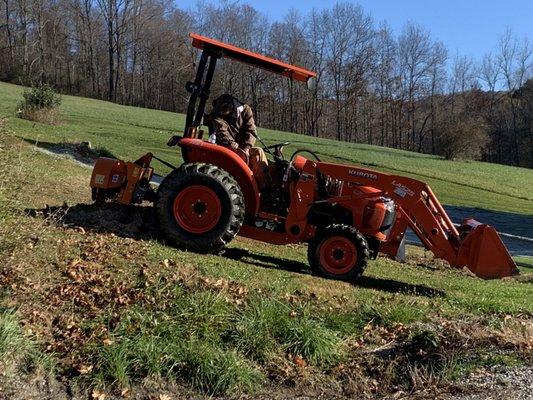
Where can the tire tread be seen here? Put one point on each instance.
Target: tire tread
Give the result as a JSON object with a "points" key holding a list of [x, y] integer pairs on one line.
{"points": [[339, 230], [191, 242]]}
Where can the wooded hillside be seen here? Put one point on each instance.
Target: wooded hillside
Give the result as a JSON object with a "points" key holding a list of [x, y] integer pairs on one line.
{"points": [[403, 91]]}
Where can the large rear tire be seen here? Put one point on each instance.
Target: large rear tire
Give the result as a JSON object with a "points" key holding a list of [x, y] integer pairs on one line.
{"points": [[200, 207], [338, 252]]}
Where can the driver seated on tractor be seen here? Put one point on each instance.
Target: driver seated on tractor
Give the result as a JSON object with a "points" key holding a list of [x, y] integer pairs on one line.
{"points": [[233, 125]]}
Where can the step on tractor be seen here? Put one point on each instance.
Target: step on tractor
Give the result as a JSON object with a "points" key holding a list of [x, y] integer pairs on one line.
{"points": [[346, 214]]}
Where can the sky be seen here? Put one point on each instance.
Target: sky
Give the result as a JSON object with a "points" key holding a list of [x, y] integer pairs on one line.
{"points": [[466, 27]]}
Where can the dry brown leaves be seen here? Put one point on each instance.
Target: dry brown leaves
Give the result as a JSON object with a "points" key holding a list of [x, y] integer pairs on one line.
{"points": [[57, 299], [514, 333], [190, 278], [383, 335]]}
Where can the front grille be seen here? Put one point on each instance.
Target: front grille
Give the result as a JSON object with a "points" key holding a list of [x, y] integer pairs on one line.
{"points": [[333, 186], [390, 216]]}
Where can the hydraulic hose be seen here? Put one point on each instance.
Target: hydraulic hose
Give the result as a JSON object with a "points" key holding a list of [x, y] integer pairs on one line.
{"points": [[305, 151]]}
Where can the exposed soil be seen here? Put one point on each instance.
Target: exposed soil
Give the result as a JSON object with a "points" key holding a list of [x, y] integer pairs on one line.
{"points": [[80, 153], [134, 221]]}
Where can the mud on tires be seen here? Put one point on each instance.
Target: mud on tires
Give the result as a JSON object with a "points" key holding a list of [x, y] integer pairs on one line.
{"points": [[339, 252], [200, 207]]}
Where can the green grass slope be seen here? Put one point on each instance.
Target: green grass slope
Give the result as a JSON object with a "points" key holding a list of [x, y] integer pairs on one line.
{"points": [[92, 302], [90, 296], [130, 131]]}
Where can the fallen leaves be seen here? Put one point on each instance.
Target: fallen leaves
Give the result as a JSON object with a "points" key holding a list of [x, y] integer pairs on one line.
{"points": [[160, 396], [85, 369], [98, 395], [299, 361]]}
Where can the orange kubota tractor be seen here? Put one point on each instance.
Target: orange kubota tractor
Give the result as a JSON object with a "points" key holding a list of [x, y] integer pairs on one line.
{"points": [[346, 213]]}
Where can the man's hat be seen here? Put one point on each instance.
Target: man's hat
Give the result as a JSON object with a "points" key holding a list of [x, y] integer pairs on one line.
{"points": [[225, 104]]}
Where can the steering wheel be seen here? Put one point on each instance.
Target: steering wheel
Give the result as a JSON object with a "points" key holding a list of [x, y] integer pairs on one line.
{"points": [[278, 149]]}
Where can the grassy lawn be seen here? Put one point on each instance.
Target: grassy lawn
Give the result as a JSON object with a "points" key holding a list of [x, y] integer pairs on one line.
{"points": [[91, 296], [129, 132]]}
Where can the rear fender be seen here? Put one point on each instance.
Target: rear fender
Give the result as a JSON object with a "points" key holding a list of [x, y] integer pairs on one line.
{"points": [[198, 151]]}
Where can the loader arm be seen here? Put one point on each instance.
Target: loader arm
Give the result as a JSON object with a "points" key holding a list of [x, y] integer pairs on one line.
{"points": [[478, 247]]}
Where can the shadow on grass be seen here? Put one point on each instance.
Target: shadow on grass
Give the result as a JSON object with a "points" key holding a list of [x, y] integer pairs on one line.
{"points": [[392, 286], [387, 285], [265, 261], [132, 221], [81, 152], [139, 222]]}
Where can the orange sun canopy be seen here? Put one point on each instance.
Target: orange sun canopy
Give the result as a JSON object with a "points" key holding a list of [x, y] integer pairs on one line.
{"points": [[254, 59]]}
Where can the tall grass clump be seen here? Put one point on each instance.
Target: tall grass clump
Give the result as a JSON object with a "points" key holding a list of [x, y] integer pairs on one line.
{"points": [[212, 370], [257, 327], [203, 315], [17, 351], [312, 340], [10, 184], [12, 340], [182, 348], [40, 104], [267, 328]]}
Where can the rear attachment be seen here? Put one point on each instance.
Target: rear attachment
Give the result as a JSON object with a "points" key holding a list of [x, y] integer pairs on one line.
{"points": [[127, 182]]}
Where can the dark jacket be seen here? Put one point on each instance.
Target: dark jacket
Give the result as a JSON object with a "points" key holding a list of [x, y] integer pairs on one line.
{"points": [[238, 127]]}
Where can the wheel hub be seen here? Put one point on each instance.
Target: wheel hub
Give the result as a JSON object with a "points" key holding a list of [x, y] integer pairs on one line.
{"points": [[200, 208], [338, 255], [197, 209]]}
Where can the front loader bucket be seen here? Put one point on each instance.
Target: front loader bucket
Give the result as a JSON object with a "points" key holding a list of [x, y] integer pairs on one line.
{"points": [[483, 252]]}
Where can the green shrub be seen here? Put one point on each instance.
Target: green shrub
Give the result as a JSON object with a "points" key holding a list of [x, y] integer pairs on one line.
{"points": [[41, 95], [40, 104]]}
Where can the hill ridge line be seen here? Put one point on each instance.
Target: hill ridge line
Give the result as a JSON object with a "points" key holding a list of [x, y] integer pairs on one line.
{"points": [[428, 176]]}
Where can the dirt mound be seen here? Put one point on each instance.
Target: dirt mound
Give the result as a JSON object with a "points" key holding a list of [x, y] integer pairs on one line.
{"points": [[133, 221], [81, 152]]}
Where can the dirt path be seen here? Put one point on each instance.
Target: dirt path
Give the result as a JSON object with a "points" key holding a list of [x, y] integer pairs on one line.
{"points": [[501, 383]]}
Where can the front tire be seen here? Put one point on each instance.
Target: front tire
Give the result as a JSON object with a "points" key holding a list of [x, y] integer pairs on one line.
{"points": [[338, 252], [200, 207]]}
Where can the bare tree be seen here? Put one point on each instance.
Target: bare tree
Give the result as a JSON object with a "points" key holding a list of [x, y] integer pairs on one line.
{"points": [[386, 56], [515, 63], [414, 50], [373, 86]]}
